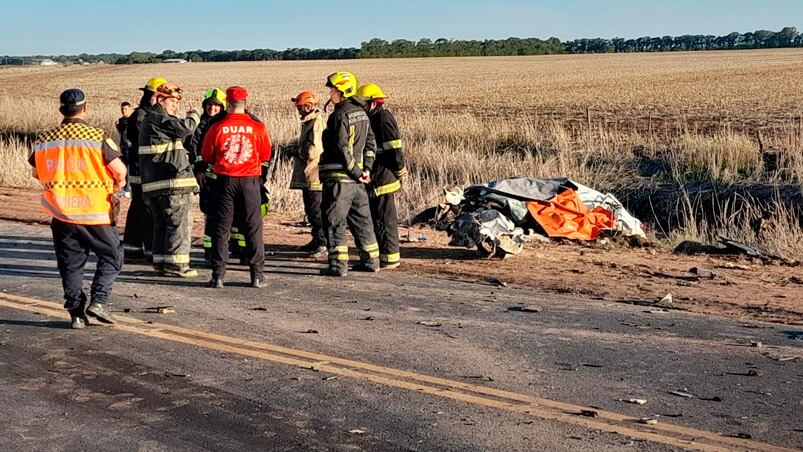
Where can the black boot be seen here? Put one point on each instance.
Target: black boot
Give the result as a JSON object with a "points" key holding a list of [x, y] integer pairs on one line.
{"points": [[101, 312], [216, 282], [257, 278], [78, 320]]}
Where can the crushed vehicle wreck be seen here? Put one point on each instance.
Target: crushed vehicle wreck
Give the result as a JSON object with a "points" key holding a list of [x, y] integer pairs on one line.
{"points": [[500, 216]]}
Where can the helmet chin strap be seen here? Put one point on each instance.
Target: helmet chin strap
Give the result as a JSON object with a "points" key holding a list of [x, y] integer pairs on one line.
{"points": [[326, 105]]}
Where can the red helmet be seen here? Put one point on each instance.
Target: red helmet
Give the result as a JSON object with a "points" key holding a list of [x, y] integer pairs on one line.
{"points": [[305, 98]]}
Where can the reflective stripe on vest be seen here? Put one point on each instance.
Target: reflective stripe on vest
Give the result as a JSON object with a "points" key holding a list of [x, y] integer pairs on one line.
{"points": [[135, 180], [393, 144], [175, 145], [77, 184], [186, 182]]}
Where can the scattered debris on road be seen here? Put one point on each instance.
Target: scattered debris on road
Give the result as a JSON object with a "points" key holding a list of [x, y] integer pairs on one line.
{"points": [[589, 413], [310, 331], [430, 323], [634, 401], [357, 431], [682, 394], [648, 421], [259, 308], [160, 310], [524, 309], [496, 282]]}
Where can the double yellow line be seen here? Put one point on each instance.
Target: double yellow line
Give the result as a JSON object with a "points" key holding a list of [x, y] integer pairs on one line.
{"points": [[524, 404]]}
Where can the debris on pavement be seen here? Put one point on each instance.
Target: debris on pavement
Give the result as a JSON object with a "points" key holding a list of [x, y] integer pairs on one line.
{"points": [[259, 308], [160, 310], [589, 413], [648, 421], [310, 331], [357, 431], [430, 323], [682, 394], [525, 309], [496, 282], [634, 401]]}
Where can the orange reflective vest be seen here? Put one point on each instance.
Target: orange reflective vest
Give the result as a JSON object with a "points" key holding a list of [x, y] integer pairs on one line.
{"points": [[69, 164]]}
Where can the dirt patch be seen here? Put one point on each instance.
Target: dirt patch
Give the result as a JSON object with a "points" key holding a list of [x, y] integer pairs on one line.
{"points": [[740, 288]]}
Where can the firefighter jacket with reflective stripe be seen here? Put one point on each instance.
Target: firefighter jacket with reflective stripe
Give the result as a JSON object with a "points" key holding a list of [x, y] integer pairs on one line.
{"points": [[237, 145], [348, 144], [132, 133], [70, 163], [164, 165], [307, 153], [389, 164]]}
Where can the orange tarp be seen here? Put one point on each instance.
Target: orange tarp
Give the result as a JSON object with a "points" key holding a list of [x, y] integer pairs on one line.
{"points": [[566, 216]]}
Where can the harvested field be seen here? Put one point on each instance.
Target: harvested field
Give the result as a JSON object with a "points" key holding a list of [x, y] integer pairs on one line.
{"points": [[627, 123]]}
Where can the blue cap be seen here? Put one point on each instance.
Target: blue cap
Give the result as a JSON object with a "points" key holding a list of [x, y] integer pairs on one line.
{"points": [[72, 97]]}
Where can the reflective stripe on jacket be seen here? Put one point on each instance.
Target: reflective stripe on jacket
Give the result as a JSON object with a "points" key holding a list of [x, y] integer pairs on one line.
{"points": [[388, 167], [348, 144], [165, 166]]}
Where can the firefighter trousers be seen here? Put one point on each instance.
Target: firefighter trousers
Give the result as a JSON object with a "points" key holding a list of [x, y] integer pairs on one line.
{"points": [[172, 228], [346, 204], [386, 227], [138, 234], [229, 192], [312, 208], [72, 243], [237, 242]]}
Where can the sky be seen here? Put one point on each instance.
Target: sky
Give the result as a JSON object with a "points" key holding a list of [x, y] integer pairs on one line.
{"points": [[50, 27]]}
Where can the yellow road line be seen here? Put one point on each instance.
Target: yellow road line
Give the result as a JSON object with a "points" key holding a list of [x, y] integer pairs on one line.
{"points": [[494, 398]]}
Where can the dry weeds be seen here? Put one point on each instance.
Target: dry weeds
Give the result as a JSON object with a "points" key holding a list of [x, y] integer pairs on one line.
{"points": [[594, 118]]}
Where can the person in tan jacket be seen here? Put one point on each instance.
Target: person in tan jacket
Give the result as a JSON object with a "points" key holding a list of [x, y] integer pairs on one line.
{"points": [[306, 156]]}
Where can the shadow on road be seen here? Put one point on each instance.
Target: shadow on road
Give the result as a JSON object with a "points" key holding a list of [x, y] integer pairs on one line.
{"points": [[55, 324]]}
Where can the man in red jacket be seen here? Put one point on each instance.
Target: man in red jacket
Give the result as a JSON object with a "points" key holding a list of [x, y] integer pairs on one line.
{"points": [[237, 146]]}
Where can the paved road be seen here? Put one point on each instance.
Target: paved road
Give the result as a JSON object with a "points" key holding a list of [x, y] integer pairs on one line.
{"points": [[377, 362]]}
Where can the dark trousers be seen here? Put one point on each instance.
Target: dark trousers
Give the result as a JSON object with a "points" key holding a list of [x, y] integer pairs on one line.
{"points": [[138, 234], [172, 228], [386, 227], [346, 205], [230, 191], [73, 242], [237, 242], [312, 208]]}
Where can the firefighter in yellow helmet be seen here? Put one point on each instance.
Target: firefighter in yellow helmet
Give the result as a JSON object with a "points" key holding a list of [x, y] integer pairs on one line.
{"points": [[306, 157], [349, 150], [386, 175], [138, 235], [213, 106]]}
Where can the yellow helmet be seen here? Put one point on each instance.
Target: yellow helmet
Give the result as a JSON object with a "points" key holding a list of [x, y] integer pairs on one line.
{"points": [[345, 82], [215, 95], [153, 84], [370, 92]]}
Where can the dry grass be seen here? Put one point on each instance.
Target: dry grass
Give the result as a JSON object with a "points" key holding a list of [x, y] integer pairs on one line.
{"points": [[470, 120]]}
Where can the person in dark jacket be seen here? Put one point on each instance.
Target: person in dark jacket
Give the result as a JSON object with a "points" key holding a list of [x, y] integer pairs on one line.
{"points": [[349, 150], [168, 181], [138, 234], [125, 145], [386, 175], [213, 105]]}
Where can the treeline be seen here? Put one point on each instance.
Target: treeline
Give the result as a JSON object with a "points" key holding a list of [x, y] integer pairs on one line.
{"points": [[402, 48], [761, 39]]}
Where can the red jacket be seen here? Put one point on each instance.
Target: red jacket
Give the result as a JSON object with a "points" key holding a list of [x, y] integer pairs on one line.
{"points": [[237, 145]]}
